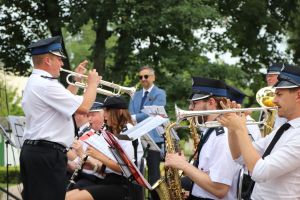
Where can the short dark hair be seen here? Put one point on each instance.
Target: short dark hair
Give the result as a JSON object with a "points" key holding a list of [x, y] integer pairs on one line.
{"points": [[148, 68]]}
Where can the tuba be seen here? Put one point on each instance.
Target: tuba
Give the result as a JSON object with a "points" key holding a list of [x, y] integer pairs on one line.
{"points": [[264, 98], [169, 187]]}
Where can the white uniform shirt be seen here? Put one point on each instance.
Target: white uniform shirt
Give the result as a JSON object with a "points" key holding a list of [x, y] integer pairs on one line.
{"points": [[253, 130], [103, 146], [48, 109], [127, 148], [278, 175], [140, 150], [215, 160], [279, 121]]}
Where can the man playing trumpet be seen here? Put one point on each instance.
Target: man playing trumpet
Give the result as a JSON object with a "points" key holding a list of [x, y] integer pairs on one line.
{"points": [[48, 109], [273, 160], [214, 171]]}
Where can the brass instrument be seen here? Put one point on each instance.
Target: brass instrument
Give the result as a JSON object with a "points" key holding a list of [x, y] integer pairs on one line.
{"points": [[194, 132], [120, 89], [169, 187], [264, 98], [184, 114]]}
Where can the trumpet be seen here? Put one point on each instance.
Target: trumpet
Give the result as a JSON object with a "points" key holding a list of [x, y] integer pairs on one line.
{"points": [[184, 114], [120, 89]]}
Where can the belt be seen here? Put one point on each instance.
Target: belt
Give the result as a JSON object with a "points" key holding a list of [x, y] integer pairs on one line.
{"points": [[45, 143], [191, 197]]}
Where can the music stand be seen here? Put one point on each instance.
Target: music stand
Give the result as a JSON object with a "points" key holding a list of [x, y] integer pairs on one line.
{"points": [[149, 143], [17, 124]]}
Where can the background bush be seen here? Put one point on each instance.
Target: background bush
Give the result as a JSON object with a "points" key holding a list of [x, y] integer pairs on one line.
{"points": [[13, 174]]}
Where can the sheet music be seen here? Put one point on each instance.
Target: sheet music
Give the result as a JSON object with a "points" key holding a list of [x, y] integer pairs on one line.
{"points": [[143, 127], [155, 110], [17, 124], [99, 143]]}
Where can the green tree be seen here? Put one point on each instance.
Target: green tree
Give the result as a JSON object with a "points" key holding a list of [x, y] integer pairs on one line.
{"points": [[10, 102]]}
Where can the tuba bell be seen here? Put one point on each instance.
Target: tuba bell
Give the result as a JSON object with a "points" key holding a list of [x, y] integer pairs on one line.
{"points": [[264, 98]]}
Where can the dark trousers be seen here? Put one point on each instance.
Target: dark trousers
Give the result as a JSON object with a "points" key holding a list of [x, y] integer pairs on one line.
{"points": [[113, 187], [43, 173], [186, 183], [191, 197], [153, 163]]}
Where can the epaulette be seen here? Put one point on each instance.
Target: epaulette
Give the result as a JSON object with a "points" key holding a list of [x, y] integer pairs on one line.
{"points": [[219, 130]]}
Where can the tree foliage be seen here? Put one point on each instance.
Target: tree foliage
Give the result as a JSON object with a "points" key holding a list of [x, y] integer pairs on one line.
{"points": [[10, 102], [120, 36]]}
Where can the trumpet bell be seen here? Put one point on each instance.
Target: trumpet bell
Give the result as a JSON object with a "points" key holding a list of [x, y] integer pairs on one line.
{"points": [[265, 96]]}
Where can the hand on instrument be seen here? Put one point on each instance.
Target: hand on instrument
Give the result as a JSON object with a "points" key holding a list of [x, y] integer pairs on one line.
{"points": [[90, 151], [232, 121], [175, 160], [93, 78], [77, 146]]}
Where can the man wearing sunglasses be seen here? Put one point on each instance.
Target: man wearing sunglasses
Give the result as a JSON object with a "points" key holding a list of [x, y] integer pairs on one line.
{"points": [[149, 95]]}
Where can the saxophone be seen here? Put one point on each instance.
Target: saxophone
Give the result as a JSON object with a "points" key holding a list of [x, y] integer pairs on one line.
{"points": [[194, 132], [169, 187]]}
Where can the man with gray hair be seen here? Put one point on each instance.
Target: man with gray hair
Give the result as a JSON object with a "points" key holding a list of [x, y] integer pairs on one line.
{"points": [[149, 95]]}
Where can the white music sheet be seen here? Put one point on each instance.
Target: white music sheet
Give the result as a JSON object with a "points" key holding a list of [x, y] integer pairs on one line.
{"points": [[143, 127]]}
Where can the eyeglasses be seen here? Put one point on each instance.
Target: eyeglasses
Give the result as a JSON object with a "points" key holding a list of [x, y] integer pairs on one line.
{"points": [[145, 77]]}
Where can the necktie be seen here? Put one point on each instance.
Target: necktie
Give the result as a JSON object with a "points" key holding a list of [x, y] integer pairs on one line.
{"points": [[143, 100]]}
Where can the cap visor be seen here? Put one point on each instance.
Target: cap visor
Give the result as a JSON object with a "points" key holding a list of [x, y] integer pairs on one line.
{"points": [[277, 73], [284, 84], [57, 53], [195, 97]]}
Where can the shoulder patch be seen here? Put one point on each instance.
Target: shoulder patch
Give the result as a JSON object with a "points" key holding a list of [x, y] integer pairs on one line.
{"points": [[220, 130]]}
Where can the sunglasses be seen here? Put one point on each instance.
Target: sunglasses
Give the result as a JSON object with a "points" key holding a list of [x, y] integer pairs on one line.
{"points": [[145, 77]]}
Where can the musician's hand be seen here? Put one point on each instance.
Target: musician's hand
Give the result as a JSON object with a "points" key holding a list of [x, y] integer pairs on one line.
{"points": [[233, 121], [71, 166], [77, 147], [81, 69], [93, 78], [90, 151], [175, 160], [186, 194]]}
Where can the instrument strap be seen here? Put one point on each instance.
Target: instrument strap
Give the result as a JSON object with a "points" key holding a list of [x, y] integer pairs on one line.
{"points": [[203, 140], [76, 129], [275, 139]]}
